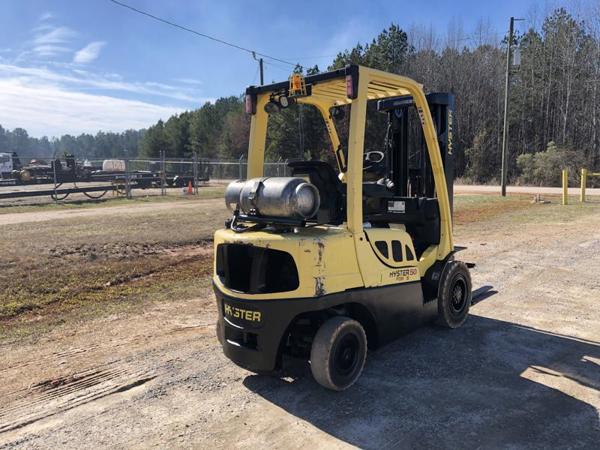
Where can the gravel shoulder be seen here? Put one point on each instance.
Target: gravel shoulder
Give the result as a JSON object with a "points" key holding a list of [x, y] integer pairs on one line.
{"points": [[524, 372], [484, 189]]}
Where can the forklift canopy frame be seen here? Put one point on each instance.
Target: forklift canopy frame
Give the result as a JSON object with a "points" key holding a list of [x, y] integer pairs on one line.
{"points": [[355, 85]]}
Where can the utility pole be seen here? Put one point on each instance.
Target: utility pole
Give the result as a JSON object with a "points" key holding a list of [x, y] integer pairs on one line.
{"points": [[509, 55], [262, 71], [503, 176], [260, 68]]}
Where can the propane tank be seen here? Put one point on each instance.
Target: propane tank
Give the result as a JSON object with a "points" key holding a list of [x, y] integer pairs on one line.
{"points": [[113, 165], [278, 197]]}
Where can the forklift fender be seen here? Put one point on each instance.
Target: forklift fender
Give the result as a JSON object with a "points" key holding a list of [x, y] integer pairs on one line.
{"points": [[251, 331]]}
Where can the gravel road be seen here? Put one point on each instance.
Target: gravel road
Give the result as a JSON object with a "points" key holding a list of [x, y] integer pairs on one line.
{"points": [[135, 208], [524, 372], [484, 189]]}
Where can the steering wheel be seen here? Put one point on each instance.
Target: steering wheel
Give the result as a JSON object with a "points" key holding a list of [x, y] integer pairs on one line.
{"points": [[372, 160]]}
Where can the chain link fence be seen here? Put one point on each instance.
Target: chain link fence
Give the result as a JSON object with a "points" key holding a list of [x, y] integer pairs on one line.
{"points": [[238, 169], [40, 179]]}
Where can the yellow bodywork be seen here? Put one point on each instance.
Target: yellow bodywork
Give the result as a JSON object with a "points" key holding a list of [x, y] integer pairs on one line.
{"points": [[584, 176], [333, 259], [324, 256]]}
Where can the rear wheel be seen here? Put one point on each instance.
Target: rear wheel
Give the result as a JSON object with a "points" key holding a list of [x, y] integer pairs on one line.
{"points": [[338, 353], [454, 298]]}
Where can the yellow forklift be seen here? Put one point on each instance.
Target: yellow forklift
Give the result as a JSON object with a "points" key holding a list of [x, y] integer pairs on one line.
{"points": [[333, 261]]}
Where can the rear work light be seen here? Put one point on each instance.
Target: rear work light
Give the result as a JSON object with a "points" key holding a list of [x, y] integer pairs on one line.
{"points": [[250, 103], [352, 85], [349, 87]]}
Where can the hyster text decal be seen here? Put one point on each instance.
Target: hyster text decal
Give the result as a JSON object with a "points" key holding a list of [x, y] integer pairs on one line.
{"points": [[239, 313], [450, 131], [404, 274]]}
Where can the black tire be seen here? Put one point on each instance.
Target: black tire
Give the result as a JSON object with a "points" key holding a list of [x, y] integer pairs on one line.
{"points": [[454, 295], [338, 353]]}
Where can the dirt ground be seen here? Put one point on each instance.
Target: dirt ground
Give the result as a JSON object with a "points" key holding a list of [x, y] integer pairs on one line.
{"points": [[524, 372], [48, 214]]}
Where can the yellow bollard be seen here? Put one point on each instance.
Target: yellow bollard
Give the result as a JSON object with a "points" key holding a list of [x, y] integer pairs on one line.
{"points": [[565, 185], [583, 184]]}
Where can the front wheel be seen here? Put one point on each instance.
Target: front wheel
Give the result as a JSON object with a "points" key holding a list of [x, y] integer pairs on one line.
{"points": [[338, 353], [454, 297]]}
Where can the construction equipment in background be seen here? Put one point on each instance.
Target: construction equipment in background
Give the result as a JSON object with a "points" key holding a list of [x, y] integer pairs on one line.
{"points": [[39, 171], [8, 163], [334, 260]]}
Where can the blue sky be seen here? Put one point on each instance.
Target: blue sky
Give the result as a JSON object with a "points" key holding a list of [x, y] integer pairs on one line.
{"points": [[71, 66]]}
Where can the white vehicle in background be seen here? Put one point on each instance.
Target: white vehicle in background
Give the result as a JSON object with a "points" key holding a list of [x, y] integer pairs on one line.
{"points": [[6, 165]]}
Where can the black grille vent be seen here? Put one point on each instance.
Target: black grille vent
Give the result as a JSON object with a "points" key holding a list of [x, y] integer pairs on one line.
{"points": [[256, 270], [382, 246]]}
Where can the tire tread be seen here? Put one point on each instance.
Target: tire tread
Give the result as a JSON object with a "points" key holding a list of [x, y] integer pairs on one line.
{"points": [[444, 318], [321, 350]]}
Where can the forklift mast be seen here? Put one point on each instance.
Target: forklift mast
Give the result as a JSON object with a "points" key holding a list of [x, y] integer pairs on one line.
{"points": [[408, 160]]}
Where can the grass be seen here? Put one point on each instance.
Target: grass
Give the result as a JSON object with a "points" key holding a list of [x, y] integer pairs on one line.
{"points": [[45, 312], [518, 209], [557, 213], [102, 262], [476, 208], [96, 281], [76, 267]]}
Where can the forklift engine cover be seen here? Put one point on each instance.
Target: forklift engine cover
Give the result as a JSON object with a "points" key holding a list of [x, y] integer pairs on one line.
{"points": [[281, 197]]}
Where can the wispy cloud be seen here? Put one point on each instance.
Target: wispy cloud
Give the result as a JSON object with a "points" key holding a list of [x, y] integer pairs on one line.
{"points": [[46, 16], [49, 101], [48, 41], [88, 53], [188, 81], [74, 78], [49, 34], [48, 51], [47, 88], [49, 110]]}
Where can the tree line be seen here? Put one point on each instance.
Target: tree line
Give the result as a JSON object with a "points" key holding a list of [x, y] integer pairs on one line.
{"points": [[102, 145], [553, 117]]}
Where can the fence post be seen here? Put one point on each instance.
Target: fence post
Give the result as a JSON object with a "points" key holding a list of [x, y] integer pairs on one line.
{"points": [[54, 174], [583, 185], [163, 174], [127, 180], [195, 170], [241, 162], [565, 186]]}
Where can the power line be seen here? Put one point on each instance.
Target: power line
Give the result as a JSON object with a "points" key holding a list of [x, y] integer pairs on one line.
{"points": [[302, 58], [198, 33], [276, 66]]}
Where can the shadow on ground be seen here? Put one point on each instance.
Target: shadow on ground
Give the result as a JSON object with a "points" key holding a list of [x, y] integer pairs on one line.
{"points": [[458, 389]]}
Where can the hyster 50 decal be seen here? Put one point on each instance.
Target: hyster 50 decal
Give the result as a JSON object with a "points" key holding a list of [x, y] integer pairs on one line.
{"points": [[239, 313], [404, 274]]}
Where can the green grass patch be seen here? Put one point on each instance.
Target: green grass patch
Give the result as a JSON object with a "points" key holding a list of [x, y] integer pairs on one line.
{"points": [[477, 208], [60, 296]]}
